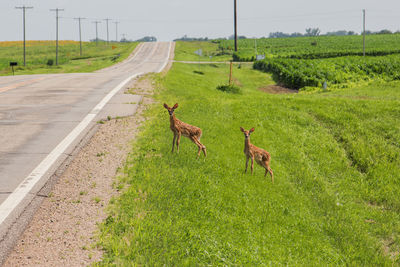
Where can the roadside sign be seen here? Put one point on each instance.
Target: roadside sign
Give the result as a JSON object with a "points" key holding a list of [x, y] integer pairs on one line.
{"points": [[12, 64], [325, 85], [260, 57]]}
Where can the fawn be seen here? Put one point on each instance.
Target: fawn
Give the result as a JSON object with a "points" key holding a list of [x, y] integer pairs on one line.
{"points": [[180, 128], [261, 156]]}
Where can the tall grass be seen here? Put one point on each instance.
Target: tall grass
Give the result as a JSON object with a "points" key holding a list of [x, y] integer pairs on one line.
{"points": [[335, 158]]}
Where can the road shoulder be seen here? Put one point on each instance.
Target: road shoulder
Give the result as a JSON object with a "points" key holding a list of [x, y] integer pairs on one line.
{"points": [[63, 229]]}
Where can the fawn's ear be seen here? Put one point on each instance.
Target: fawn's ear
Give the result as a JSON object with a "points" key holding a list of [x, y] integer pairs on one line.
{"points": [[165, 106], [175, 106], [241, 129], [251, 130]]}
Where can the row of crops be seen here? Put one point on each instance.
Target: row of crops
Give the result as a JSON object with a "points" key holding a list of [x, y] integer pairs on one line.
{"points": [[314, 47], [336, 72]]}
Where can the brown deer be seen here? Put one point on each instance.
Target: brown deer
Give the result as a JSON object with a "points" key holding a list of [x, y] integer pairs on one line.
{"points": [[180, 128], [261, 156]]}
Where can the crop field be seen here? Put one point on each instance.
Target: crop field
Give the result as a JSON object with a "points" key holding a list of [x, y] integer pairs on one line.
{"points": [[315, 47], [336, 160], [38, 54], [336, 72], [307, 63]]}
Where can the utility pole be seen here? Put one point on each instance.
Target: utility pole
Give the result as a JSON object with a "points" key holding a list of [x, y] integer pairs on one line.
{"points": [[116, 30], [24, 8], [364, 32], [80, 34], [108, 39], [97, 38], [235, 16], [57, 10]]}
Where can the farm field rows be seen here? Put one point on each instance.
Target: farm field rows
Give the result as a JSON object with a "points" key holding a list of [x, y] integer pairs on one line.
{"points": [[335, 157], [306, 63], [316, 47], [38, 54], [336, 72]]}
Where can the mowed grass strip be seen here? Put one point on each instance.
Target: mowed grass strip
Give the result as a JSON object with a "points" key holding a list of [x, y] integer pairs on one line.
{"points": [[336, 162], [185, 51], [38, 54]]}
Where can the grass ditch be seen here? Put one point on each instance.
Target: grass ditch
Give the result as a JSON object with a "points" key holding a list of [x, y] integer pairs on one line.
{"points": [[40, 53], [176, 210]]}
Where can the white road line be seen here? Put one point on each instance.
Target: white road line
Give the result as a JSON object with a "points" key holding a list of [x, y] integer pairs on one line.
{"points": [[167, 59], [15, 198], [137, 53]]}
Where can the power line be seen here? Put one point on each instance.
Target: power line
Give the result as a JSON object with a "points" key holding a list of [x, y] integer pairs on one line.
{"points": [[80, 34], [108, 39], [364, 32], [97, 38], [24, 8], [116, 30], [57, 10], [235, 23]]}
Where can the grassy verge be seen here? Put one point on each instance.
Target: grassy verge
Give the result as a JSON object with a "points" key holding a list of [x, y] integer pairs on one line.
{"points": [[335, 158], [185, 51], [39, 53]]}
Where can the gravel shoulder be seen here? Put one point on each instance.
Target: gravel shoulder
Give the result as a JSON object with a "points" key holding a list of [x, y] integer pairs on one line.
{"points": [[63, 230]]}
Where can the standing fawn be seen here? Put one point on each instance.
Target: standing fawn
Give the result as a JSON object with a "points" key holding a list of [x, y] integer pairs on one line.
{"points": [[261, 156], [180, 128]]}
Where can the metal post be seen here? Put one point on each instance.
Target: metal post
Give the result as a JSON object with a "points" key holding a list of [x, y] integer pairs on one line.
{"points": [[23, 12], [80, 34], [235, 16], [57, 10], [364, 32]]}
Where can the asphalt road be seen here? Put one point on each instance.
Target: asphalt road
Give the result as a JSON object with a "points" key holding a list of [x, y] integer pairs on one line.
{"points": [[44, 117]]}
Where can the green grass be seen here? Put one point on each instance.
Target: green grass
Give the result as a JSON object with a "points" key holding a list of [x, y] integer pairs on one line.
{"points": [[336, 162], [185, 51], [94, 57]]}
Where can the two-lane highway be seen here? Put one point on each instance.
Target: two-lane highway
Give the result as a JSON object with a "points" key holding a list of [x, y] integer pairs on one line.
{"points": [[43, 117]]}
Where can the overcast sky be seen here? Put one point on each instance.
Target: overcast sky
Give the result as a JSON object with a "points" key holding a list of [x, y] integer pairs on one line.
{"points": [[170, 19]]}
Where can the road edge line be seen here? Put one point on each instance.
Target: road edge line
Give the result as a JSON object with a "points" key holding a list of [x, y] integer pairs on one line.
{"points": [[24, 188]]}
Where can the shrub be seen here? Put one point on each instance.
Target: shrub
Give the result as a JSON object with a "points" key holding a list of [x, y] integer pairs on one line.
{"points": [[229, 88]]}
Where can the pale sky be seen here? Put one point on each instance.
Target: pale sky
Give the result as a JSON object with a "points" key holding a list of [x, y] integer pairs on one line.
{"points": [[170, 19]]}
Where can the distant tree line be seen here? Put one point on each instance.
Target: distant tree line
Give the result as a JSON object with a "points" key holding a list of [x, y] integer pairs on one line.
{"points": [[186, 38], [124, 40], [147, 39], [309, 33]]}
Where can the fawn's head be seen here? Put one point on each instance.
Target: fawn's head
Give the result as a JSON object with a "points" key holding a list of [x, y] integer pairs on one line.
{"points": [[247, 133], [171, 110]]}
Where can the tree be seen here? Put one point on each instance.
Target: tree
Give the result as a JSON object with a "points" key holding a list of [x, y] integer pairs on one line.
{"points": [[313, 32], [147, 39]]}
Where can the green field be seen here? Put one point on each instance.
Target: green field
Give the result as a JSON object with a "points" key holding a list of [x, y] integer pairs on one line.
{"points": [[337, 72], [336, 160], [315, 47], [38, 54], [185, 51]]}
